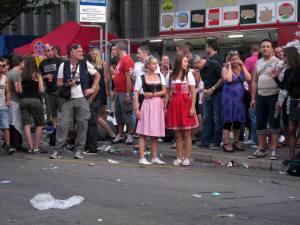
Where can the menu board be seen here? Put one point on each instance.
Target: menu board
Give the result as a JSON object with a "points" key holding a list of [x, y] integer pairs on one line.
{"points": [[248, 14], [286, 11], [198, 18], [213, 17], [230, 16], [167, 21], [266, 13], [182, 20]]}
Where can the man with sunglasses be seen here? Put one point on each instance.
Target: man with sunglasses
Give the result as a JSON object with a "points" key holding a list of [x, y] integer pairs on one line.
{"points": [[5, 102], [49, 69]]}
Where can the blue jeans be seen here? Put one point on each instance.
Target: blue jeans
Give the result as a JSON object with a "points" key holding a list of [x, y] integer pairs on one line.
{"points": [[252, 115], [212, 120]]}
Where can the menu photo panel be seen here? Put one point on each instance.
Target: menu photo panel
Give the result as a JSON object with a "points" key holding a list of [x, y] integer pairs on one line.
{"points": [[286, 11], [182, 20], [231, 16], [266, 13], [167, 21], [213, 17], [198, 18], [248, 14]]}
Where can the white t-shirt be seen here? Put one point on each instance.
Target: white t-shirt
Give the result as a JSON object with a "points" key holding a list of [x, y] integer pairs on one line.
{"points": [[76, 91], [190, 76], [138, 69], [200, 90], [139, 84]]}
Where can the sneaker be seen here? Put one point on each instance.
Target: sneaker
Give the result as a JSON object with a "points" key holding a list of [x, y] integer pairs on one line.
{"points": [[177, 162], [118, 139], [78, 155], [215, 147], [36, 150], [55, 155], [186, 162], [157, 161], [144, 161], [129, 140], [10, 150], [274, 155], [254, 146], [259, 153], [281, 139], [249, 142]]}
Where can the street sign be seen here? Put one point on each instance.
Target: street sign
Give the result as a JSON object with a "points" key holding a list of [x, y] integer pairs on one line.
{"points": [[93, 11]]}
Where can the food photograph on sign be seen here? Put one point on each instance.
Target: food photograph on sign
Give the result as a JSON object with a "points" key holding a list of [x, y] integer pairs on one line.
{"points": [[198, 18], [167, 21], [266, 13], [231, 16], [182, 20], [213, 17], [248, 14], [286, 11]]}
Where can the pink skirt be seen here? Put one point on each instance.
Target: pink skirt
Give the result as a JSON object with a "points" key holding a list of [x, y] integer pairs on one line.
{"points": [[152, 121]]}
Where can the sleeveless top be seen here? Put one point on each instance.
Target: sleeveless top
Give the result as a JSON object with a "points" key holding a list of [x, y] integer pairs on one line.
{"points": [[2, 92], [152, 88]]}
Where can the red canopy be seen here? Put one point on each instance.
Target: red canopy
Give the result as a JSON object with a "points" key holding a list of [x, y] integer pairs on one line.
{"points": [[65, 35]]}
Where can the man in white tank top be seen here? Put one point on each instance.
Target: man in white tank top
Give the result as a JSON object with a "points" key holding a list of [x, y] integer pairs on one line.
{"points": [[4, 104]]}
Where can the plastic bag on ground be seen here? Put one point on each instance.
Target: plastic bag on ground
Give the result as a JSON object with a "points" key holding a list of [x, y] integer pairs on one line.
{"points": [[45, 201]]}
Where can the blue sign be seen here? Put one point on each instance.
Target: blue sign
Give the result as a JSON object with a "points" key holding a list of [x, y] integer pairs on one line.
{"points": [[93, 2]]}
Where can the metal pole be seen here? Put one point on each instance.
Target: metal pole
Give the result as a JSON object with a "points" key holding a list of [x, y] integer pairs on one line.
{"points": [[106, 30], [101, 38]]}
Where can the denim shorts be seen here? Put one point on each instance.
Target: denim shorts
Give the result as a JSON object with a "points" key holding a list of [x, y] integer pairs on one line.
{"points": [[4, 119], [265, 111]]}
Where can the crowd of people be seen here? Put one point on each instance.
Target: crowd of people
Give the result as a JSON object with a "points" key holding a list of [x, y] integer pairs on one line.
{"points": [[198, 98]]}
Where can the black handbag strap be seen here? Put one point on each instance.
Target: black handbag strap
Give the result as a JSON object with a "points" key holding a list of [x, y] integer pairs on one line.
{"points": [[74, 72]]}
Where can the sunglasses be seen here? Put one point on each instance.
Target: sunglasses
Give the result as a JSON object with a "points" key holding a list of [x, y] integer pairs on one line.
{"points": [[2, 65]]}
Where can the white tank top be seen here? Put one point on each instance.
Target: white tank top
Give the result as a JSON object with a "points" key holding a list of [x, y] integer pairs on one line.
{"points": [[2, 92]]}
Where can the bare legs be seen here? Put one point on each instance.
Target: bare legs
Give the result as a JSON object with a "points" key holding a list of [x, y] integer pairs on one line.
{"points": [[186, 136], [293, 126], [28, 136]]}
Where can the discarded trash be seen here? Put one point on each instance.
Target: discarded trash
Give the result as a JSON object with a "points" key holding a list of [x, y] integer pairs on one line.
{"points": [[91, 164], [230, 164], [281, 172], [112, 150], [161, 155], [104, 148], [197, 196], [245, 165], [225, 215], [215, 194], [45, 201], [135, 151], [261, 181], [5, 182], [291, 197], [119, 180], [100, 220], [113, 161]]}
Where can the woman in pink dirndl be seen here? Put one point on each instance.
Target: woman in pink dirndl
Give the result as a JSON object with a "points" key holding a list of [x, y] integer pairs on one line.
{"points": [[150, 115]]}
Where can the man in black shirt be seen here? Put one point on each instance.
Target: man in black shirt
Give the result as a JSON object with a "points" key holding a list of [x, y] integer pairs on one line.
{"points": [[210, 71], [49, 68], [212, 51]]}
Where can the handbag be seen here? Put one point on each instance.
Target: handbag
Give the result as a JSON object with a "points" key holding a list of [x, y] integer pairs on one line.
{"points": [[65, 90], [246, 96]]}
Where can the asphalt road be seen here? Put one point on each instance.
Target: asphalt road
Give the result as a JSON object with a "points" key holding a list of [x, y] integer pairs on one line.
{"points": [[128, 194]]}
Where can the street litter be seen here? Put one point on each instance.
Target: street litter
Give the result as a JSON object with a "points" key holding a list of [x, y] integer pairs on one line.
{"points": [[230, 164], [215, 194], [119, 180], [100, 220], [5, 182], [113, 161], [45, 201], [91, 164], [245, 165], [147, 153], [291, 197], [197, 196], [225, 215]]}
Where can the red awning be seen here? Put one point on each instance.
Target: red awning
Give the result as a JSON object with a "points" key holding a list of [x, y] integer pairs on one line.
{"points": [[67, 34]]}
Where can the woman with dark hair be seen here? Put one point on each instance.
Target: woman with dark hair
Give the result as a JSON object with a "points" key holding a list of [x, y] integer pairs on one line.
{"points": [[181, 112], [30, 103], [291, 83], [233, 107]]}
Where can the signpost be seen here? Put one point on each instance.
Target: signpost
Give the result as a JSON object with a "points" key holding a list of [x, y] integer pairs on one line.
{"points": [[93, 11]]}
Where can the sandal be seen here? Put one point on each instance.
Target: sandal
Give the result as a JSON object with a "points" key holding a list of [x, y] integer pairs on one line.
{"points": [[236, 148], [226, 149]]}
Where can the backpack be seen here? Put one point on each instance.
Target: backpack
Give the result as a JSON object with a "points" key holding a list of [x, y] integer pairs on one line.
{"points": [[294, 166]]}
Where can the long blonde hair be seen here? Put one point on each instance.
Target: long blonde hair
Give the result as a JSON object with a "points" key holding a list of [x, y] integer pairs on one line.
{"points": [[98, 61]]}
